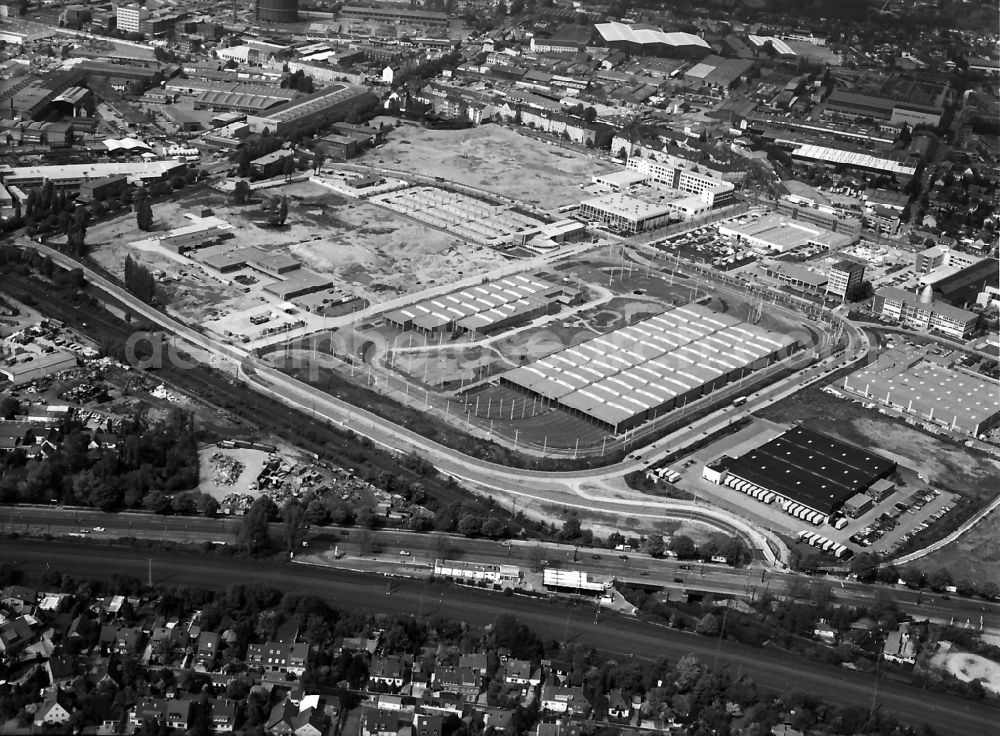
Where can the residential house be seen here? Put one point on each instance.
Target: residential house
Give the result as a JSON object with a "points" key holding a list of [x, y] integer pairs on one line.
{"points": [[562, 699], [279, 721], [390, 702], [379, 723], [824, 631], [171, 713], [15, 635], [459, 680], [560, 728], [18, 599], [619, 707], [127, 640], [358, 644], [519, 672], [82, 627], [557, 669], [208, 649], [60, 669], [392, 671], [478, 663], [427, 725], [501, 720], [309, 722], [55, 710], [285, 657], [901, 646], [178, 714], [223, 715], [152, 709]]}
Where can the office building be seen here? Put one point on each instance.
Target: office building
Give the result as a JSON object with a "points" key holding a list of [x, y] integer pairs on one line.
{"points": [[922, 313], [130, 16], [825, 217], [843, 278]]}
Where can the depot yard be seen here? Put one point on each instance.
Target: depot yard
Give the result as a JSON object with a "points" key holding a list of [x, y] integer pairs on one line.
{"points": [[493, 158], [222, 472]]}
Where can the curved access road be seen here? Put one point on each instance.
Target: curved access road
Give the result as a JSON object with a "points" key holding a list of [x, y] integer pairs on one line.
{"points": [[548, 487], [612, 633]]}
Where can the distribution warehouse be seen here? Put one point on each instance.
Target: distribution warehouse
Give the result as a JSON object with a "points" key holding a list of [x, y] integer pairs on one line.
{"points": [[484, 309], [915, 385], [811, 474], [634, 374]]}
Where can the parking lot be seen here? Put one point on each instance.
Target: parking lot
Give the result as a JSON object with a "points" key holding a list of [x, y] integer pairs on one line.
{"points": [[898, 518], [705, 245]]}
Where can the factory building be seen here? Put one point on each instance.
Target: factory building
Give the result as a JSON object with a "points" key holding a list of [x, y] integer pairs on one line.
{"points": [[923, 313], [900, 166], [811, 474], [624, 378], [926, 390], [25, 369], [400, 14], [298, 283], [961, 283], [74, 175], [643, 40], [484, 309], [312, 112]]}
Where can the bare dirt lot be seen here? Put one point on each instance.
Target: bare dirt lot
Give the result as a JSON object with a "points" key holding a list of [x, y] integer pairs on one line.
{"points": [[973, 556], [968, 667], [494, 158], [369, 251]]}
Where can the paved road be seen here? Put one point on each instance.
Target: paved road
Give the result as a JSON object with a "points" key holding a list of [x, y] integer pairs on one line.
{"points": [[482, 476], [771, 669], [639, 569]]}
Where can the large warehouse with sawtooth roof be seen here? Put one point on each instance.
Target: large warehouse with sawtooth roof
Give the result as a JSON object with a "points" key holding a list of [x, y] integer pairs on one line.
{"points": [[645, 40], [632, 375]]}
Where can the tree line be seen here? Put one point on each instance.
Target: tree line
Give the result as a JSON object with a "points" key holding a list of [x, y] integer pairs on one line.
{"points": [[139, 280], [141, 456]]}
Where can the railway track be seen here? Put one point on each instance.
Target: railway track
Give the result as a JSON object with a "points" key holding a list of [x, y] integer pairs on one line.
{"points": [[221, 393]]}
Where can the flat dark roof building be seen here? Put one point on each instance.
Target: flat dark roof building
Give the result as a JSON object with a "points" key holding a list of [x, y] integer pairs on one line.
{"points": [[811, 468]]}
